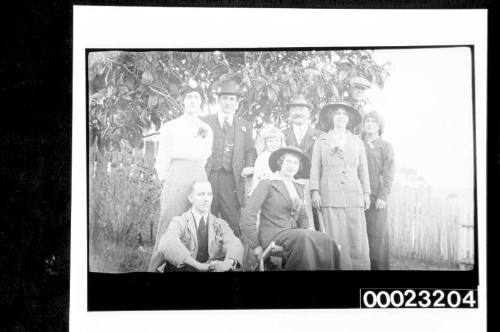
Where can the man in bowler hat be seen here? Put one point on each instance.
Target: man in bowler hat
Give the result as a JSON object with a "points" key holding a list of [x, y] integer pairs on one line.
{"points": [[233, 155], [300, 133]]}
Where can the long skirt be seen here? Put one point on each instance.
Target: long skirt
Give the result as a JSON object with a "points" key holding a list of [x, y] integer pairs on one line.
{"points": [[175, 191], [378, 237], [305, 249], [347, 226]]}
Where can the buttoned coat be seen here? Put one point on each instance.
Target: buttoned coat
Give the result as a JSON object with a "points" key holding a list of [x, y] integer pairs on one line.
{"points": [[307, 143], [244, 152], [181, 240], [340, 180], [277, 212]]}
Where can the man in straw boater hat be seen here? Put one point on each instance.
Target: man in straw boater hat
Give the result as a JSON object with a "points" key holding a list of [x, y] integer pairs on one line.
{"points": [[233, 155], [301, 134], [340, 184]]}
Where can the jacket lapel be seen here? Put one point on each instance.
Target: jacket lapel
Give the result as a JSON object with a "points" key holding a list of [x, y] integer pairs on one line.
{"points": [[308, 139], [300, 190], [290, 136], [239, 138], [211, 234], [280, 187], [192, 229]]}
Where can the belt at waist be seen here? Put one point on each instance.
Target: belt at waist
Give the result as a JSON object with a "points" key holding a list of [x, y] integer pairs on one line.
{"points": [[339, 172]]}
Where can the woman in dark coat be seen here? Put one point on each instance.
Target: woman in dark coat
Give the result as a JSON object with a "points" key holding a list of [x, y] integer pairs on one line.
{"points": [[283, 217], [340, 186], [381, 169]]}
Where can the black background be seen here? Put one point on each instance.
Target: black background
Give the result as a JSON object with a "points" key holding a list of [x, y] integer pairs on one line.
{"points": [[36, 170]]}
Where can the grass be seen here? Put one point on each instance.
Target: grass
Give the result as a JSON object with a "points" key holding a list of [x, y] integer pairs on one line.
{"points": [[113, 258]]}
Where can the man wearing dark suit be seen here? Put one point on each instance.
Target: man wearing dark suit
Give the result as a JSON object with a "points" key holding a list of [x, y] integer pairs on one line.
{"points": [[233, 156], [302, 135]]}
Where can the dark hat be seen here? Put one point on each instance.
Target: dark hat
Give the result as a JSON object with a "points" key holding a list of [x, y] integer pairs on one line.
{"points": [[298, 100], [303, 172], [378, 118], [361, 81], [326, 111], [228, 88], [192, 86]]}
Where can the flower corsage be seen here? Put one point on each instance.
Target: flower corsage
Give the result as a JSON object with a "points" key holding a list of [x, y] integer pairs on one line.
{"points": [[298, 207], [202, 132]]}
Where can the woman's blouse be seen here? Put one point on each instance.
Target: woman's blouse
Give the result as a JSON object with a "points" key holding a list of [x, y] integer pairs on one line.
{"points": [[381, 167], [186, 137]]}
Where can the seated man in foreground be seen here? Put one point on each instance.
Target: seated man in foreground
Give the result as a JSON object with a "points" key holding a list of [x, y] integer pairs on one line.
{"points": [[197, 240]]}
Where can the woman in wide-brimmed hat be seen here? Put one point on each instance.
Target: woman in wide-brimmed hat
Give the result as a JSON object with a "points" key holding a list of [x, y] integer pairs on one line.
{"points": [[381, 168], [340, 185], [283, 219], [185, 144]]}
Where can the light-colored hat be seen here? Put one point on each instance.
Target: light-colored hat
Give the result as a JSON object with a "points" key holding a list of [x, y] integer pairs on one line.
{"points": [[360, 81]]}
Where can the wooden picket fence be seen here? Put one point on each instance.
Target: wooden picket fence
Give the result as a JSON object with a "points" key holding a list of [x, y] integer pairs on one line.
{"points": [[430, 228]]}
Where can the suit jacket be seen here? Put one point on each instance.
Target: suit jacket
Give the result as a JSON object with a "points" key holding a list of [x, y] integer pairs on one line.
{"points": [[244, 152], [341, 182], [275, 204], [181, 240], [307, 143]]}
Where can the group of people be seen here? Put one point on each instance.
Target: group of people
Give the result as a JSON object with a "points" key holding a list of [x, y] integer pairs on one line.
{"points": [[318, 193]]}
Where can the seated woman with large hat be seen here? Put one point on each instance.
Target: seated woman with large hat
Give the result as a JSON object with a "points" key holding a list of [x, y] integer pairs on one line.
{"points": [[283, 218]]}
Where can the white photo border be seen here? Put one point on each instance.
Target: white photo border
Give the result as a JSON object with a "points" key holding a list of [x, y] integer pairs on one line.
{"points": [[137, 27]]}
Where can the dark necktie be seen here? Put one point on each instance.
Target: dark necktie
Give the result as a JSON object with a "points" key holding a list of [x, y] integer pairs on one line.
{"points": [[202, 255], [202, 227], [226, 125]]}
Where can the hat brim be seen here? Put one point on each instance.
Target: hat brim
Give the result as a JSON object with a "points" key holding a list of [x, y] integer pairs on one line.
{"points": [[354, 115], [185, 91], [303, 172], [234, 93], [287, 106]]}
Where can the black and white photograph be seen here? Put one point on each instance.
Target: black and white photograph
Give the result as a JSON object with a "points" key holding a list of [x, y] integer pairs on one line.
{"points": [[281, 160], [280, 166]]}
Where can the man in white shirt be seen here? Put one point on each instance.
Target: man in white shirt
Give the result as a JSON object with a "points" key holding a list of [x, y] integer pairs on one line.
{"points": [[197, 240]]}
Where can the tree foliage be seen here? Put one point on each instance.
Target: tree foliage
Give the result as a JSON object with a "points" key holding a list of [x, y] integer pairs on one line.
{"points": [[130, 92]]}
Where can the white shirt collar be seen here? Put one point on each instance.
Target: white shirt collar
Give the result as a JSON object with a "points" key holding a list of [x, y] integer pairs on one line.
{"points": [[300, 131], [198, 216], [221, 116]]}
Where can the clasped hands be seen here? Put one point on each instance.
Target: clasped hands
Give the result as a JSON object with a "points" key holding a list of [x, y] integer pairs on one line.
{"points": [[215, 266]]}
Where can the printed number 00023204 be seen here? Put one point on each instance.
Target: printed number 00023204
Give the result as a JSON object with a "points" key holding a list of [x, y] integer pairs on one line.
{"points": [[418, 298]]}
